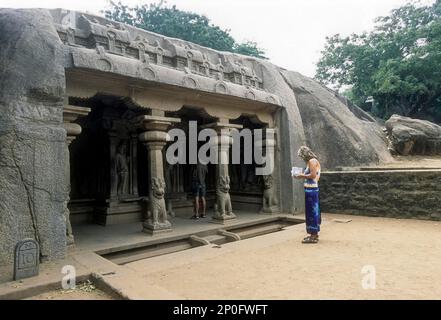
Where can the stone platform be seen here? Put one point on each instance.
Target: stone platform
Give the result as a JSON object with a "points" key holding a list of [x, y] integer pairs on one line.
{"points": [[104, 240], [92, 241]]}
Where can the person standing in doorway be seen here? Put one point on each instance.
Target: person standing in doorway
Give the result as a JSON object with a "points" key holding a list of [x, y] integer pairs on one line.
{"points": [[199, 190], [311, 178]]}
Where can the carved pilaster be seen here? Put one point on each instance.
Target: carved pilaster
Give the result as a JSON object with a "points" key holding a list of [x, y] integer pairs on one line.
{"points": [[70, 114]]}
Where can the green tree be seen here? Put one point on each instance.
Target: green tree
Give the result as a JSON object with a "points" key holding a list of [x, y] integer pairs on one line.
{"points": [[172, 22], [398, 64]]}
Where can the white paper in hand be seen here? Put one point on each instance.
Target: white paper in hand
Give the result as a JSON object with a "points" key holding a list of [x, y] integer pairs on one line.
{"points": [[295, 171]]}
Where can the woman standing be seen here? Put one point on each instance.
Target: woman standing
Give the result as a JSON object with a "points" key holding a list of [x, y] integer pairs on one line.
{"points": [[312, 203]]}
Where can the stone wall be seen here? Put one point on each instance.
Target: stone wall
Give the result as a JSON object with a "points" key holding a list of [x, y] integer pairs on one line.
{"points": [[392, 193]]}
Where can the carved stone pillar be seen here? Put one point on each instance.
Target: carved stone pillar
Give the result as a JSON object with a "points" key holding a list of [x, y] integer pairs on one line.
{"points": [[155, 138], [266, 148], [70, 114], [223, 209]]}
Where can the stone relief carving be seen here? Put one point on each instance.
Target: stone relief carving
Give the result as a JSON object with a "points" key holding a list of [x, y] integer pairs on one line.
{"points": [[270, 203], [70, 240], [122, 169], [223, 207]]}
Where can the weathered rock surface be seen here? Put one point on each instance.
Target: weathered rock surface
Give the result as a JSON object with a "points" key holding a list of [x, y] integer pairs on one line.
{"points": [[340, 137], [407, 136], [32, 140]]}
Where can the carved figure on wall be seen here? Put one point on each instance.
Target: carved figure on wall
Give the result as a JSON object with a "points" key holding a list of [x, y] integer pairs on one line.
{"points": [[122, 169], [270, 202], [223, 208], [69, 233], [157, 213]]}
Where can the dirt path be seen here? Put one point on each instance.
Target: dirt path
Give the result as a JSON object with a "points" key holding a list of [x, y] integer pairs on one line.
{"points": [[406, 256]]}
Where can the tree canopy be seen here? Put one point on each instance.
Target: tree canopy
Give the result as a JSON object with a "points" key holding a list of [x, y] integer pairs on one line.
{"points": [[396, 68], [172, 22]]}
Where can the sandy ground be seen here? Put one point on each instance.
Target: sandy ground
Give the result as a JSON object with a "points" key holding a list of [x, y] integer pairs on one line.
{"points": [[406, 256]]}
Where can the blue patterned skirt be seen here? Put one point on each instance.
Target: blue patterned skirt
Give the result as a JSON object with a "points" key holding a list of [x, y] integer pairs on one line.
{"points": [[312, 210]]}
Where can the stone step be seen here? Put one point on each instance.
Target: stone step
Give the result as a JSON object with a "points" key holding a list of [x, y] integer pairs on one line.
{"points": [[149, 251], [251, 232], [217, 239]]}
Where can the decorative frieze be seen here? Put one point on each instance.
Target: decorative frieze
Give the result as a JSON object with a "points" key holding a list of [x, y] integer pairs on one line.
{"points": [[87, 31]]}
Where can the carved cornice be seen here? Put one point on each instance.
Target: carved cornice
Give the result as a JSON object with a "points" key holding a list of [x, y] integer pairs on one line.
{"points": [[103, 45]]}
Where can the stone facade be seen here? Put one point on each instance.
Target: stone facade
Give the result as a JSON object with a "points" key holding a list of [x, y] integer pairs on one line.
{"points": [[392, 193], [120, 88]]}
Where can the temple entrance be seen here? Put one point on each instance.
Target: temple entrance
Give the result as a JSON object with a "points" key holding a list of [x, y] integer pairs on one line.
{"points": [[109, 166], [107, 183], [178, 177], [246, 186]]}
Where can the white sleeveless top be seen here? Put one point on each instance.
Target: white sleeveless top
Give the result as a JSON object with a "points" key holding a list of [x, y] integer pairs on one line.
{"points": [[311, 183]]}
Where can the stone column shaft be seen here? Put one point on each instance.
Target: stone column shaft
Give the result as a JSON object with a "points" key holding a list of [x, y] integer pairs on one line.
{"points": [[223, 207], [266, 148]]}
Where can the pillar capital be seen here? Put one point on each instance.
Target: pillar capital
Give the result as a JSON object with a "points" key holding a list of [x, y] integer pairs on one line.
{"points": [[155, 123], [152, 138], [222, 127], [71, 114]]}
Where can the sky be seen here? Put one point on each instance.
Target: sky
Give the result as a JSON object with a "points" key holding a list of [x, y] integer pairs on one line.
{"points": [[292, 32]]}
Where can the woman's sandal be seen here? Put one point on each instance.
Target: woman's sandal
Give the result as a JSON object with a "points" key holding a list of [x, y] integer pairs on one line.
{"points": [[310, 239], [195, 217]]}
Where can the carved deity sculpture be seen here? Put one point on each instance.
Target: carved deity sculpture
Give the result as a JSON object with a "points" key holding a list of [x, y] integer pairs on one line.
{"points": [[157, 214], [223, 207], [269, 198], [122, 169]]}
